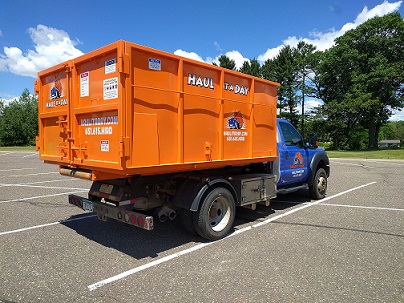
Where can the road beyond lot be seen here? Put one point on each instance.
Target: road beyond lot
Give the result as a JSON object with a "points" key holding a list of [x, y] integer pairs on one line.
{"points": [[348, 247]]}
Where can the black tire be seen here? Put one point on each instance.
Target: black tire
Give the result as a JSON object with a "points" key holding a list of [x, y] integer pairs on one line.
{"points": [[215, 217], [187, 221], [319, 187]]}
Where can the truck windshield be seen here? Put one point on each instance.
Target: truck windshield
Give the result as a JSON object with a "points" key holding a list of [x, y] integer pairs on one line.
{"points": [[291, 135]]}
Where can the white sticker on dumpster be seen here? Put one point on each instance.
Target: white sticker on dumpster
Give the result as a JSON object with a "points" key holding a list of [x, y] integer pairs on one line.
{"points": [[84, 84], [105, 145], [154, 64], [110, 66], [111, 88]]}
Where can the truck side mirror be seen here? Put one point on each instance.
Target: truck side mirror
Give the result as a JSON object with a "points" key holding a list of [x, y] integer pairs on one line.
{"points": [[313, 142]]}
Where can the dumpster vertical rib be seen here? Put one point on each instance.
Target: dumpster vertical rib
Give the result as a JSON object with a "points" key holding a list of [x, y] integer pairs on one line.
{"points": [[251, 126], [221, 117], [180, 113]]}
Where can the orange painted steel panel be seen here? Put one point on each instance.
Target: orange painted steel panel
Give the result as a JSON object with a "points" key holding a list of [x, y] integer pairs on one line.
{"points": [[126, 109]]}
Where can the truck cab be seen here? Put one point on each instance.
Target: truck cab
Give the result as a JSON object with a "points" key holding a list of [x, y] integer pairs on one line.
{"points": [[300, 164]]}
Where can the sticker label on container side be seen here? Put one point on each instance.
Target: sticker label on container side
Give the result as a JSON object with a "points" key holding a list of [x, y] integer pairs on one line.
{"points": [[94, 126], [105, 145], [236, 127], [154, 64], [111, 88], [84, 84], [110, 66]]}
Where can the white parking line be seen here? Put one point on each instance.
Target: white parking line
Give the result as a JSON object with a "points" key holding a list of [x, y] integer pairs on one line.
{"points": [[363, 207], [38, 186], [45, 225], [51, 181], [3, 154], [202, 245], [14, 169], [26, 175], [44, 196], [30, 155]]}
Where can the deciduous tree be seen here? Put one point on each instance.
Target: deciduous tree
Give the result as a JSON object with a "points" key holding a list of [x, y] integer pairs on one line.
{"points": [[362, 75], [19, 121]]}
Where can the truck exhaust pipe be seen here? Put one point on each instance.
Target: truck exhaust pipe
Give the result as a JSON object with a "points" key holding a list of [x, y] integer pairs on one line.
{"points": [[166, 213], [162, 216], [172, 215]]}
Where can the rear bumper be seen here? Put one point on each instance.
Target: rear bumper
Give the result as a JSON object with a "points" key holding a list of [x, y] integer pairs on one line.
{"points": [[108, 210]]}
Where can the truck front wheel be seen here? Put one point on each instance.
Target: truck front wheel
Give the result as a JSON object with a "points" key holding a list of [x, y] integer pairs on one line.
{"points": [[319, 186], [215, 217]]}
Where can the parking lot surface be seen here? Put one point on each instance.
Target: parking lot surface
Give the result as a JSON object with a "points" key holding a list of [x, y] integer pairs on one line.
{"points": [[348, 247]]}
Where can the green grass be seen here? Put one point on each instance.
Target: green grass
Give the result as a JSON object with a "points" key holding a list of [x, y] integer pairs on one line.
{"points": [[392, 154], [18, 148]]}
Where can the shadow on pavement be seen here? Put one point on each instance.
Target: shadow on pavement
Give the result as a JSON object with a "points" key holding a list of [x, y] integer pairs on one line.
{"points": [[139, 243]]}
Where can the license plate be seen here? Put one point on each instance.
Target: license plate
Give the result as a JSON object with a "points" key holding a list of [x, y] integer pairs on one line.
{"points": [[87, 205]]}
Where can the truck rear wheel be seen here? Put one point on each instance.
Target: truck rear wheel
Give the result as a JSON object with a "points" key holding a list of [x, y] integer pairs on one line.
{"points": [[215, 217], [187, 220], [319, 186]]}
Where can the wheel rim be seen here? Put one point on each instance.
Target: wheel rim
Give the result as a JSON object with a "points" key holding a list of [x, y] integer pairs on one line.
{"points": [[322, 184], [219, 214]]}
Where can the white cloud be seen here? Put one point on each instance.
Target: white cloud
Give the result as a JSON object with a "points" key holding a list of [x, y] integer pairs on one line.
{"points": [[379, 10], [52, 46], [189, 55], [234, 55], [323, 41], [309, 105], [398, 116], [217, 46], [8, 101]]}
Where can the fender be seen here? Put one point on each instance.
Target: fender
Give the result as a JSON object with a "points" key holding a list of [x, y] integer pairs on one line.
{"points": [[192, 191], [320, 159]]}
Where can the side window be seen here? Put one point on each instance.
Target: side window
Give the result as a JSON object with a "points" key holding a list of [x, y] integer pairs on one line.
{"points": [[291, 135]]}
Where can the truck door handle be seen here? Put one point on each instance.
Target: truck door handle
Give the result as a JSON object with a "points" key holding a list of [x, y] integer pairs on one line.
{"points": [[259, 189]]}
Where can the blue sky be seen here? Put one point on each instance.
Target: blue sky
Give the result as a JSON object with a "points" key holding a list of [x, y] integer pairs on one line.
{"points": [[37, 34]]}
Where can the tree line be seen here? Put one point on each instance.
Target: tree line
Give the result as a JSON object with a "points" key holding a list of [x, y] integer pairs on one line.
{"points": [[360, 81], [19, 121]]}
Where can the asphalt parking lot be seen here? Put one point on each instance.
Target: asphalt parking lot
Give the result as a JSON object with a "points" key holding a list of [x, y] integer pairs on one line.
{"points": [[348, 247]]}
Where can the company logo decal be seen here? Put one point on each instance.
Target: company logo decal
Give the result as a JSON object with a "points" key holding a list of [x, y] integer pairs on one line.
{"points": [[56, 93], [57, 90], [297, 161], [235, 122]]}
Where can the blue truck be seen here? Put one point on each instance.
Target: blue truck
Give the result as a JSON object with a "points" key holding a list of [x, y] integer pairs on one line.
{"points": [[300, 164], [206, 201]]}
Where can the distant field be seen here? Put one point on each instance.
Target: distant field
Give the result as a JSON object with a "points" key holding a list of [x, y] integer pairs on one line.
{"points": [[393, 154], [17, 148]]}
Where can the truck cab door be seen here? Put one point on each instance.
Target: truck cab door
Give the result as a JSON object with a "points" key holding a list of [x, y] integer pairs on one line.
{"points": [[293, 157]]}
